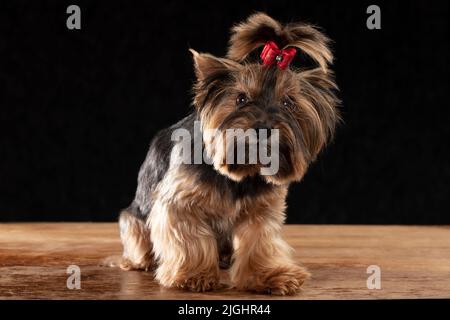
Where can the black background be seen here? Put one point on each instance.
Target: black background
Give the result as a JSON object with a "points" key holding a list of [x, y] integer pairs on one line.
{"points": [[79, 107]]}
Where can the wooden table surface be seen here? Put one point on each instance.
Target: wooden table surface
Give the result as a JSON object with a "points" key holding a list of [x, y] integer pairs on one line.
{"points": [[414, 263]]}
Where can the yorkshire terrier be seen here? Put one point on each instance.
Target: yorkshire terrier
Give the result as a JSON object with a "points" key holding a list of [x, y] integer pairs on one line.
{"points": [[189, 220]]}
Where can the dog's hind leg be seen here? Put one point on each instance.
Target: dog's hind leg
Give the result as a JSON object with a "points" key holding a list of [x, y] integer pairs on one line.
{"points": [[137, 247]]}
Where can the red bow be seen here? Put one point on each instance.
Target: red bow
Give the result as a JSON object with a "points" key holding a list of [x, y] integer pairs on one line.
{"points": [[271, 55]]}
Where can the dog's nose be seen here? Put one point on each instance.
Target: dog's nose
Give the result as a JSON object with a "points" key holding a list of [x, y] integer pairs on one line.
{"points": [[261, 127], [272, 110]]}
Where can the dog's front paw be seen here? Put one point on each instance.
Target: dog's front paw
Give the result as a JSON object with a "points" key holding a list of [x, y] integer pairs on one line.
{"points": [[199, 283], [286, 280]]}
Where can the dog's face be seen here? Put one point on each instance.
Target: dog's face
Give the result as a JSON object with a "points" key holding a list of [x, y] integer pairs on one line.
{"points": [[234, 93]]}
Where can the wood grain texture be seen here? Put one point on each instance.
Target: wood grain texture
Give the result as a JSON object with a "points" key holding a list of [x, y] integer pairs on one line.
{"points": [[414, 261]]}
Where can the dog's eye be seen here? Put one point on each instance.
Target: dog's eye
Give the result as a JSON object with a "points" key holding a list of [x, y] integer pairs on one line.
{"points": [[241, 99], [286, 103]]}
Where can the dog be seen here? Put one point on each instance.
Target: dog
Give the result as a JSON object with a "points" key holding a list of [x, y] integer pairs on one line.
{"points": [[187, 221]]}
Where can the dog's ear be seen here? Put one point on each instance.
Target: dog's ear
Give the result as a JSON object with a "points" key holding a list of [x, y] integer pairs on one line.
{"points": [[320, 113], [207, 65], [260, 28]]}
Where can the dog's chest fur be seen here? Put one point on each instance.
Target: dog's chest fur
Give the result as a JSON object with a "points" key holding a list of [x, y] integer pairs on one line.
{"points": [[212, 194], [197, 186]]}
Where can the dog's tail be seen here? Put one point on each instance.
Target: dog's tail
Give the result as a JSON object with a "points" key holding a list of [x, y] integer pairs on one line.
{"points": [[259, 28]]}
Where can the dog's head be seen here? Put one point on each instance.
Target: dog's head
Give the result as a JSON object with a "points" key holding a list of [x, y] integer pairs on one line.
{"points": [[240, 92]]}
